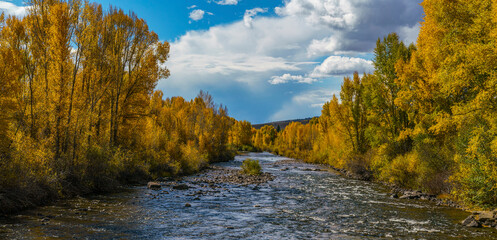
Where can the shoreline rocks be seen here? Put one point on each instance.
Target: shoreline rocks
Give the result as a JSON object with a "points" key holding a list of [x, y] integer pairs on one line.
{"points": [[364, 176], [401, 193], [481, 219], [154, 185]]}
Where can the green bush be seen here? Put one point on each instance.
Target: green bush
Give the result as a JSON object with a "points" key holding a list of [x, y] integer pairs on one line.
{"points": [[251, 167], [248, 148]]}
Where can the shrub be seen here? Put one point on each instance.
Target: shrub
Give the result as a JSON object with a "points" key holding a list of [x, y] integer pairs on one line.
{"points": [[192, 159], [248, 148], [360, 165], [251, 167]]}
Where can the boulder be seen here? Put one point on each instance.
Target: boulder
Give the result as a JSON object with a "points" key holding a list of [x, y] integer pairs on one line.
{"points": [[484, 216], [410, 195], [471, 222], [415, 195], [188, 205], [154, 185]]}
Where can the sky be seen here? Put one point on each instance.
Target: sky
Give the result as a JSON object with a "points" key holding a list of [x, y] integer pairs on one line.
{"points": [[267, 60]]}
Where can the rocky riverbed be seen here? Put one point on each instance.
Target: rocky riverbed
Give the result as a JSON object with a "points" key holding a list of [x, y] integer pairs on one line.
{"points": [[212, 177], [218, 175]]}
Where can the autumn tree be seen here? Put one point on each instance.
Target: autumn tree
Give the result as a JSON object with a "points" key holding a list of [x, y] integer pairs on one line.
{"points": [[352, 112], [387, 120], [241, 133], [264, 137]]}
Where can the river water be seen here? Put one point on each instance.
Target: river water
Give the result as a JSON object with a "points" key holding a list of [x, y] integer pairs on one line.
{"points": [[298, 204]]}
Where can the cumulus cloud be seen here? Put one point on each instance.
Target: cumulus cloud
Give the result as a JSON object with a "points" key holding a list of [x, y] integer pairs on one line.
{"points": [[289, 47], [307, 103], [409, 34], [227, 2], [12, 9], [249, 14], [335, 14], [325, 46], [304, 32], [338, 65], [236, 53], [288, 78], [197, 14], [354, 25]]}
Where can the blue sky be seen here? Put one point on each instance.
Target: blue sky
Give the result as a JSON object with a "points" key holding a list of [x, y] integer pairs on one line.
{"points": [[267, 60]]}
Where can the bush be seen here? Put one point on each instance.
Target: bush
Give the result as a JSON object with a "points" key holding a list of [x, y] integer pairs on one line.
{"points": [[360, 165], [192, 159], [248, 148], [251, 167]]}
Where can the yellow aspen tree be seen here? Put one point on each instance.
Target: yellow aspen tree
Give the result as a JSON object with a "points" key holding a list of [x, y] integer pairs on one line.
{"points": [[59, 72]]}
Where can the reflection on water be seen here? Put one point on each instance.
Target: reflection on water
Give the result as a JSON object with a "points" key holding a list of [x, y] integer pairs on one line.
{"points": [[298, 204]]}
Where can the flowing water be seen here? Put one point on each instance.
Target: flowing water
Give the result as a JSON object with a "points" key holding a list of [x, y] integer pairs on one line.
{"points": [[298, 204]]}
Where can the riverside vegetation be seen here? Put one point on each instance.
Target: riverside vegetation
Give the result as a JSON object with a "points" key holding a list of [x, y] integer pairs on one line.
{"points": [[425, 119]]}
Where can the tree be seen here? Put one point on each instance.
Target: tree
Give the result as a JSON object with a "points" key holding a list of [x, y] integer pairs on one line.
{"points": [[241, 133], [387, 120], [352, 112]]}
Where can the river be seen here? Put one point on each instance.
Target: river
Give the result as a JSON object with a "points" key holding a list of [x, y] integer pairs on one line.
{"points": [[298, 204]]}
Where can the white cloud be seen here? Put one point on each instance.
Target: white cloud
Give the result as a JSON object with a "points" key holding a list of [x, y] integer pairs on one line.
{"points": [[354, 25], [12, 9], [249, 14], [325, 46], [192, 6], [197, 14], [334, 13], [287, 78], [245, 54], [410, 34], [227, 2], [235, 53], [338, 65], [307, 103]]}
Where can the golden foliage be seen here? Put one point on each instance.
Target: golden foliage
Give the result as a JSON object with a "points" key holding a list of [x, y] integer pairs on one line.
{"points": [[79, 108]]}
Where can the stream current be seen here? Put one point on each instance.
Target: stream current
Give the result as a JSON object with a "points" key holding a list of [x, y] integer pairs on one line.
{"points": [[297, 204]]}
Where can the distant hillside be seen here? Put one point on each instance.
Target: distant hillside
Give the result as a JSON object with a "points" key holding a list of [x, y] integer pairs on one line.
{"points": [[282, 124]]}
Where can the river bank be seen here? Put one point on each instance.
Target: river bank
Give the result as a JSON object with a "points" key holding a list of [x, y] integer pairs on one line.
{"points": [[35, 194], [302, 201]]}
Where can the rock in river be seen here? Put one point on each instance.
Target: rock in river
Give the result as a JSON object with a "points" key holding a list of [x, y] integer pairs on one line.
{"points": [[154, 185], [471, 222]]}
